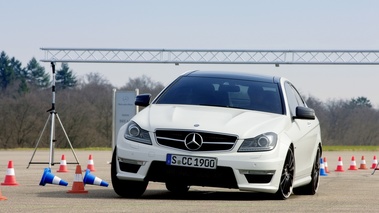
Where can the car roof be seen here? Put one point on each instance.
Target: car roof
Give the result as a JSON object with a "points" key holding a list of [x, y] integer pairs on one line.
{"points": [[234, 75]]}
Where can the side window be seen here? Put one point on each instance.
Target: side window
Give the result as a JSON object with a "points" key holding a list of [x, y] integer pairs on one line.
{"points": [[292, 101], [294, 98], [300, 101]]}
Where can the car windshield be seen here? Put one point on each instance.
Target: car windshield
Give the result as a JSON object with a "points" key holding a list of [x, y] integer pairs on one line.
{"points": [[234, 93]]}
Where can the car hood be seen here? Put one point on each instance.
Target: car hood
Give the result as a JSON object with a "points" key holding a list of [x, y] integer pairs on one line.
{"points": [[244, 123]]}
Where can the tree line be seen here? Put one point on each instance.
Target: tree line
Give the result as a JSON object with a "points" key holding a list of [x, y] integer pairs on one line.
{"points": [[85, 109], [347, 122], [83, 105]]}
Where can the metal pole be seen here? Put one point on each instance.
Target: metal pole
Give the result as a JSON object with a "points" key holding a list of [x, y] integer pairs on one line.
{"points": [[52, 111]]}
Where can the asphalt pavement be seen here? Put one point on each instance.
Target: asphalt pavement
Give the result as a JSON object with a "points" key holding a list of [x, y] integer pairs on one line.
{"points": [[347, 191]]}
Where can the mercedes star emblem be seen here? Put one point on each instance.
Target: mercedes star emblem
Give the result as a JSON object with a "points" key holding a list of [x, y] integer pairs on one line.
{"points": [[193, 141]]}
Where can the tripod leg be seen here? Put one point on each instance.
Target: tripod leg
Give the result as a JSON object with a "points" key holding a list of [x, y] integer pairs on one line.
{"points": [[39, 139], [69, 142]]}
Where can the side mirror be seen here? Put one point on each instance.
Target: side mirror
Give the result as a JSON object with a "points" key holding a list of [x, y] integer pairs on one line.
{"points": [[143, 100], [305, 113]]}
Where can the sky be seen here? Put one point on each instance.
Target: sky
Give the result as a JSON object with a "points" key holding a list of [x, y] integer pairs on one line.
{"points": [[26, 26]]}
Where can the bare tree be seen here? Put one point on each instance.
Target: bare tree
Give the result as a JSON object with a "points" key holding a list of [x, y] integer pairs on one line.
{"points": [[145, 85]]}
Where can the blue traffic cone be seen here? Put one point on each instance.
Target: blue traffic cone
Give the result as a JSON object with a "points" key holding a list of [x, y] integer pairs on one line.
{"points": [[47, 177], [92, 179], [322, 168]]}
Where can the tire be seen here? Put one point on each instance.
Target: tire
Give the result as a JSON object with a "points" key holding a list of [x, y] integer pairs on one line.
{"points": [[286, 178], [126, 188], [177, 188], [312, 187]]}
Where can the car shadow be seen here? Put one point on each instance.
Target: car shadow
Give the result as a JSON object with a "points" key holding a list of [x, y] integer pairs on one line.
{"points": [[205, 195], [159, 194], [103, 193]]}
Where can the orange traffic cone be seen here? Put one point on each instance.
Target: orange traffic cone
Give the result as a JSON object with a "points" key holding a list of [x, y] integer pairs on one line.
{"points": [[353, 164], [363, 163], [326, 165], [339, 165], [90, 165], [63, 165], [2, 197], [78, 185], [374, 162], [10, 178]]}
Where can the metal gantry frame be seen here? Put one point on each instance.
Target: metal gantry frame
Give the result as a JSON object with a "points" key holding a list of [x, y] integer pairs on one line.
{"points": [[204, 56]]}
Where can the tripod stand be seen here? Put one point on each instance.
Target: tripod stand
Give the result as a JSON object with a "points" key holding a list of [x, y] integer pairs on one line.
{"points": [[52, 116]]}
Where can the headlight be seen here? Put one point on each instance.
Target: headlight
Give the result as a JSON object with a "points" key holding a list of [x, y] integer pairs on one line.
{"points": [[135, 133], [263, 142]]}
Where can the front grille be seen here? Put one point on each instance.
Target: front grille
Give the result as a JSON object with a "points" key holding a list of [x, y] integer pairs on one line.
{"points": [[211, 141], [220, 177]]}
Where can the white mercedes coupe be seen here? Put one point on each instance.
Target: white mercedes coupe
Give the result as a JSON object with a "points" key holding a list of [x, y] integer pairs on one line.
{"points": [[220, 129]]}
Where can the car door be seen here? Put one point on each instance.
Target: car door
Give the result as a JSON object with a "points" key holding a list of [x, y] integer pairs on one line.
{"points": [[302, 132]]}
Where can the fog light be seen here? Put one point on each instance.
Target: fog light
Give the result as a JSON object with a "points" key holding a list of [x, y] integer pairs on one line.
{"points": [[136, 162], [257, 172]]}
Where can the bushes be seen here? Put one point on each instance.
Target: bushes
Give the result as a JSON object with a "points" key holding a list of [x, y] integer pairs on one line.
{"points": [[87, 121], [343, 122]]}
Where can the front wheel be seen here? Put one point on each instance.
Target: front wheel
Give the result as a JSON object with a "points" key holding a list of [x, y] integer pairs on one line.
{"points": [[312, 187], [126, 188], [286, 179]]}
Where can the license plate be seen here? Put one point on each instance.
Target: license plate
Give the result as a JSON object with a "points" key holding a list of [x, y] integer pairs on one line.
{"points": [[191, 161]]}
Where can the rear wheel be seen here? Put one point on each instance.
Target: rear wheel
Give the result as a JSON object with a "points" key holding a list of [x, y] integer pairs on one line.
{"points": [[312, 187], [286, 179], [125, 188]]}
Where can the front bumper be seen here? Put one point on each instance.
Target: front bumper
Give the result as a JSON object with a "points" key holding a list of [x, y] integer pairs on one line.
{"points": [[253, 171]]}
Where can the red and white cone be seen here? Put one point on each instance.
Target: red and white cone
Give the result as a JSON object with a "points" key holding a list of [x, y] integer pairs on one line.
{"points": [[10, 177], [374, 162], [91, 165], [78, 185], [339, 165], [353, 164], [63, 165], [363, 163], [326, 165]]}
